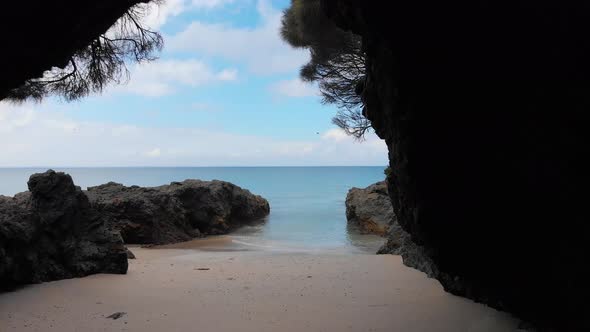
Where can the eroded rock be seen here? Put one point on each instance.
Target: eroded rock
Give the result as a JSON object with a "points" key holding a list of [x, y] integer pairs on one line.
{"points": [[177, 212], [369, 210], [51, 232]]}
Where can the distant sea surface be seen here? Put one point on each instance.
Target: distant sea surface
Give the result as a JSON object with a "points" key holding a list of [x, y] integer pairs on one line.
{"points": [[307, 203]]}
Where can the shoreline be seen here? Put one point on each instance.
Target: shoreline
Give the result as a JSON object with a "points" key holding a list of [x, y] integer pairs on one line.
{"points": [[191, 289], [211, 241], [236, 242]]}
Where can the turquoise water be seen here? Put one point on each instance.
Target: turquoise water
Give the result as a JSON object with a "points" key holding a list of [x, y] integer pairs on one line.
{"points": [[307, 203]]}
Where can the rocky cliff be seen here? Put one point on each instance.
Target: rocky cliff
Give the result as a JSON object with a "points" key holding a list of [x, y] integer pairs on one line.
{"points": [[177, 212], [51, 232], [369, 210], [482, 107]]}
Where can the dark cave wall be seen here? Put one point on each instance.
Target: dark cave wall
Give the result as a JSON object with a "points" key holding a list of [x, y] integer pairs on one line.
{"points": [[38, 35], [482, 106]]}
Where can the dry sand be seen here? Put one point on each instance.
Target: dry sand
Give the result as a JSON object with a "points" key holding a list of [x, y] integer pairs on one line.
{"points": [[196, 290]]}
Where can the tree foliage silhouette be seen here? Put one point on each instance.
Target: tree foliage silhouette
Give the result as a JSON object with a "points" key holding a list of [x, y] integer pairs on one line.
{"points": [[337, 61], [102, 62]]}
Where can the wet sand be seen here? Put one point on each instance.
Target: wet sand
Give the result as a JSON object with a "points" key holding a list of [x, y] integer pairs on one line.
{"points": [[213, 243], [195, 290]]}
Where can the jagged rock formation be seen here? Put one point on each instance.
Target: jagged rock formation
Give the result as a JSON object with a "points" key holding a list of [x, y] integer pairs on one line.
{"points": [[399, 242], [177, 212], [482, 106], [57, 231], [51, 233], [369, 209]]}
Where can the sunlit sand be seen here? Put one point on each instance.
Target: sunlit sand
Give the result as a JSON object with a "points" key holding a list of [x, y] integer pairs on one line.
{"points": [[196, 290]]}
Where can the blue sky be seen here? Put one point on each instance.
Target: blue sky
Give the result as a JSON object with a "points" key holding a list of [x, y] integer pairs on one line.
{"points": [[224, 92]]}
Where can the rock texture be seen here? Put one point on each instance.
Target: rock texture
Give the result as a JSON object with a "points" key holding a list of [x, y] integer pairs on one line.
{"points": [[399, 242], [177, 212], [485, 127], [51, 232], [369, 210]]}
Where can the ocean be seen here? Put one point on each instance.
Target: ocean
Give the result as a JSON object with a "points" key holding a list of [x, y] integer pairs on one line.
{"points": [[307, 203]]}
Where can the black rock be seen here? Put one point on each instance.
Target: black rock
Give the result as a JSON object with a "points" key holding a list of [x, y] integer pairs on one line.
{"points": [[117, 315], [177, 212], [370, 211], [51, 232]]}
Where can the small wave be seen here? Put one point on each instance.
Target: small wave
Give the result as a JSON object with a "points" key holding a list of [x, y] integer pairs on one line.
{"points": [[252, 244], [285, 247]]}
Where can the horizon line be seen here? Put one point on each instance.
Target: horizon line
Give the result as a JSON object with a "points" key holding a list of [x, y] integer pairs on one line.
{"points": [[233, 166]]}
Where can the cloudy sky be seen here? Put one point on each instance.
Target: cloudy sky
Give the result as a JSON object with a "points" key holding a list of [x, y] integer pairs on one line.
{"points": [[224, 92]]}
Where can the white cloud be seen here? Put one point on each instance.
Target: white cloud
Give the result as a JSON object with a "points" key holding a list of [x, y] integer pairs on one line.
{"points": [[156, 152], [13, 117], [294, 88], [209, 4], [34, 135], [159, 14], [228, 75], [260, 48], [336, 135], [44, 135], [163, 77]]}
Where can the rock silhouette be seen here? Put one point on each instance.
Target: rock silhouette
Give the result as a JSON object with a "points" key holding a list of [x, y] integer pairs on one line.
{"points": [[52, 232]]}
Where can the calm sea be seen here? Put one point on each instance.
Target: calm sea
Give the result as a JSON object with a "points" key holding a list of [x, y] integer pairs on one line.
{"points": [[307, 203]]}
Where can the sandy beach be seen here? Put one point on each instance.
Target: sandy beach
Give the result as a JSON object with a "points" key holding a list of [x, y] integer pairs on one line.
{"points": [[195, 287]]}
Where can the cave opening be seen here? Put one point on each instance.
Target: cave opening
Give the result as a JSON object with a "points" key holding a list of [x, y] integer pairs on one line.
{"points": [[478, 109]]}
